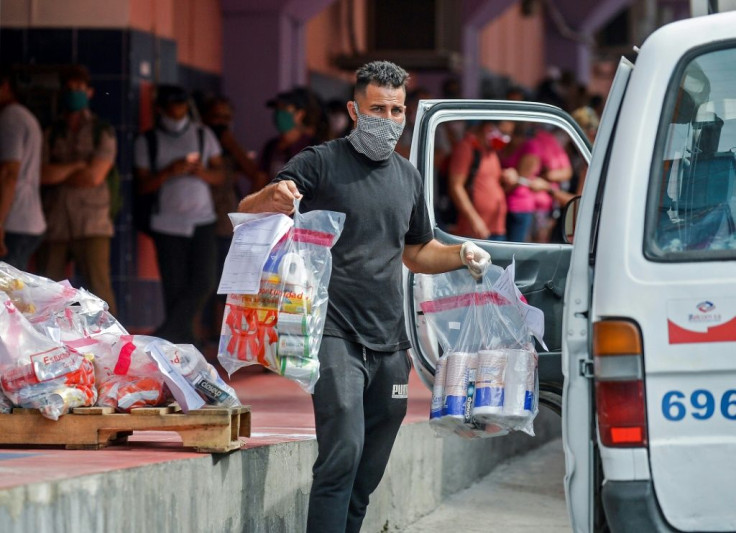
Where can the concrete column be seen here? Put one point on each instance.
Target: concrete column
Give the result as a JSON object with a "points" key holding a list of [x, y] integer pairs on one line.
{"points": [[476, 14], [257, 58], [264, 52], [471, 61]]}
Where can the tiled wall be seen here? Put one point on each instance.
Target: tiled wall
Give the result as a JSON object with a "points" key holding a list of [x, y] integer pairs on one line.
{"points": [[118, 61]]}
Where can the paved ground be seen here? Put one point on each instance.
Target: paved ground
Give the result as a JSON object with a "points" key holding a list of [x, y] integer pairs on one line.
{"points": [[520, 496]]}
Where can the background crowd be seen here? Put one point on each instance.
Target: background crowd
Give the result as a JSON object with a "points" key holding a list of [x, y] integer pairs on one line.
{"points": [[60, 189]]}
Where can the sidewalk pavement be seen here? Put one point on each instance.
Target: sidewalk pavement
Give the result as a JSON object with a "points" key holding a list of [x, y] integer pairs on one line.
{"points": [[523, 494]]}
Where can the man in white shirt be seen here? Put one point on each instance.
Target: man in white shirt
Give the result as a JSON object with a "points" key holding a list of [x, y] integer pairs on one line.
{"points": [[179, 161], [22, 223]]}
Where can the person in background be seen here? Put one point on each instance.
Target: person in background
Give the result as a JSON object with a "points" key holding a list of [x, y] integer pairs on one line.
{"points": [[79, 151], [588, 120], [180, 161], [289, 114], [475, 184], [412, 101], [21, 218], [218, 116], [360, 398], [338, 119]]}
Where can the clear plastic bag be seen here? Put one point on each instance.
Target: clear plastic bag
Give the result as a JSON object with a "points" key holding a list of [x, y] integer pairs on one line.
{"points": [[126, 375], [57, 309], [178, 362], [38, 372], [281, 327], [486, 381]]}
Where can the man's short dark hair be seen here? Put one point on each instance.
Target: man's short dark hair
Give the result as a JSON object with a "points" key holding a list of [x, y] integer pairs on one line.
{"points": [[381, 73], [74, 73], [170, 94]]}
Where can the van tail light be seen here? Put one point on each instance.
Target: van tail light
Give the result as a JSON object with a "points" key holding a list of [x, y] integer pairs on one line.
{"points": [[619, 384]]}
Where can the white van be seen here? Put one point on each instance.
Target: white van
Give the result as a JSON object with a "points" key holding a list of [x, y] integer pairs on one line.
{"points": [[640, 312]]}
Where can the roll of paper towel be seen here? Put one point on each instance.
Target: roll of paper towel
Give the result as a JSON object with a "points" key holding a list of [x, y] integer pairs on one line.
{"points": [[518, 391], [459, 375], [489, 383]]}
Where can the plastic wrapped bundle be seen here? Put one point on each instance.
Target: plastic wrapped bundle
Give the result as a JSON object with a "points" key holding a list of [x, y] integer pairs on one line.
{"points": [[188, 375], [127, 377], [38, 372], [486, 382]]}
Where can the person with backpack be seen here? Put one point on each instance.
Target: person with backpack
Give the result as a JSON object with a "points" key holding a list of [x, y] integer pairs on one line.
{"points": [[79, 154], [176, 164], [474, 184]]}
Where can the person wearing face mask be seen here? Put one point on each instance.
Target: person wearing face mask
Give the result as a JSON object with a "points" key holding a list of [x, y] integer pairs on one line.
{"points": [[338, 119], [79, 151], [474, 182], [289, 115], [179, 161], [360, 398]]}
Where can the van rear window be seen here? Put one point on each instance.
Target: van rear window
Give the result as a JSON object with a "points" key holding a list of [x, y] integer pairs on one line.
{"points": [[692, 216]]}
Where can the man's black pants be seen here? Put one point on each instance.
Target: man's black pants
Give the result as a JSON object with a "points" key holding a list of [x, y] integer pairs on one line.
{"points": [[359, 402]]}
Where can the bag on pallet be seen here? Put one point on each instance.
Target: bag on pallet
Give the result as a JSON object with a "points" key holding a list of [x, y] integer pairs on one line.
{"points": [[56, 309], [126, 376], [281, 326], [486, 381], [188, 375], [39, 372]]}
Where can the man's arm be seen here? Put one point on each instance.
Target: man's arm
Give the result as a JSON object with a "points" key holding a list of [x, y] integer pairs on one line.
{"points": [[8, 178], [433, 257], [214, 173], [91, 174], [54, 173], [273, 198], [464, 205]]}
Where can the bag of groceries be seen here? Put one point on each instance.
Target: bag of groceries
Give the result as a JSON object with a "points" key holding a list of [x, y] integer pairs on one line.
{"points": [[281, 326], [486, 381], [39, 372]]}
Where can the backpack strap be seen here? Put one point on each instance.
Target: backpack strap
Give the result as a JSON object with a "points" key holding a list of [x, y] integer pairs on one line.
{"points": [[152, 145], [473, 170], [200, 143]]}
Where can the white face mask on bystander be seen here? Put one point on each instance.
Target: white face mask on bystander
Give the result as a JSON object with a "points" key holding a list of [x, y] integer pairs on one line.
{"points": [[174, 125]]}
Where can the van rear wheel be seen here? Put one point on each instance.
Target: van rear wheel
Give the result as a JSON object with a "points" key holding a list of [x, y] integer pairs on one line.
{"points": [[550, 396]]}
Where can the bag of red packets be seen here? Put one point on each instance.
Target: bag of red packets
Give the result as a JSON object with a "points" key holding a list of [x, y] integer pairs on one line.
{"points": [[38, 372]]}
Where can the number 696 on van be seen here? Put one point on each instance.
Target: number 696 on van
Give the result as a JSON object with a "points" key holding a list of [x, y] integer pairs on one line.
{"points": [[700, 404]]}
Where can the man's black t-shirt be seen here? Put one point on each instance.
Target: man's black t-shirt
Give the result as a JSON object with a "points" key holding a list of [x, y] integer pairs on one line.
{"points": [[384, 207]]}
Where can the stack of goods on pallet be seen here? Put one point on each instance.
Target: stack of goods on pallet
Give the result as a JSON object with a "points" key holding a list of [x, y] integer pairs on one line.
{"points": [[60, 349]]}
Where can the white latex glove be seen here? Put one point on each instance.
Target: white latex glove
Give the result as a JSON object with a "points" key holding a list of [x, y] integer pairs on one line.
{"points": [[475, 258]]}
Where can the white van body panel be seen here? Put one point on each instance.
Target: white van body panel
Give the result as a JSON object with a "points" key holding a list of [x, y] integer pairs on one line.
{"points": [[691, 460], [625, 464], [577, 408]]}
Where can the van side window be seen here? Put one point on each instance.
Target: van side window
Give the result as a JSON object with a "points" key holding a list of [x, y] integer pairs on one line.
{"points": [[695, 202]]}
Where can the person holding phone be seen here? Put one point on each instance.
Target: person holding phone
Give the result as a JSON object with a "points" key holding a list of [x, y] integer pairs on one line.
{"points": [[181, 159]]}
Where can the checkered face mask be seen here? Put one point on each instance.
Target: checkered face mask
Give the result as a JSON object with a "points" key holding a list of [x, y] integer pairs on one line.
{"points": [[375, 137]]}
